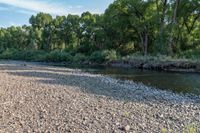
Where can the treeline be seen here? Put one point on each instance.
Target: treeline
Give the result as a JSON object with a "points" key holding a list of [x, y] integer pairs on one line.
{"points": [[166, 27]]}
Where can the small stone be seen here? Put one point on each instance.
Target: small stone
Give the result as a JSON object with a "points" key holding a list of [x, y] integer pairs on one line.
{"points": [[85, 118], [117, 124], [161, 116], [106, 127], [113, 115], [126, 128], [23, 64]]}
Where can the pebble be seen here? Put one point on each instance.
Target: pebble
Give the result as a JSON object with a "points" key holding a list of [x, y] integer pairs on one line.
{"points": [[126, 128], [76, 101]]}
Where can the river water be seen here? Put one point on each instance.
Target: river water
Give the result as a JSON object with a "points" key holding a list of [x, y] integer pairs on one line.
{"points": [[172, 81]]}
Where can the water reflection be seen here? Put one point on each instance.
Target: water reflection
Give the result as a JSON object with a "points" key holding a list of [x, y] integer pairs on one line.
{"points": [[176, 82]]}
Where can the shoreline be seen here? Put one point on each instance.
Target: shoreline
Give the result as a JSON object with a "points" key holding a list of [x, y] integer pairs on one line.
{"points": [[45, 96], [166, 66]]}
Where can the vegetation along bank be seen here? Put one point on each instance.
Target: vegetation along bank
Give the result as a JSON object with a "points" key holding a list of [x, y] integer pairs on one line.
{"points": [[129, 29]]}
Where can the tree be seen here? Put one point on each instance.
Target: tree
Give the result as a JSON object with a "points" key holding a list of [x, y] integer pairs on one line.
{"points": [[41, 27], [127, 26], [136, 12]]}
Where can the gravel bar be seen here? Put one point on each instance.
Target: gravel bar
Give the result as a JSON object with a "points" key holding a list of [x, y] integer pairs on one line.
{"points": [[40, 98]]}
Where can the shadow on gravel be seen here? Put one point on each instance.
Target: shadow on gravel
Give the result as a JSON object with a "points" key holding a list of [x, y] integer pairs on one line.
{"points": [[91, 84]]}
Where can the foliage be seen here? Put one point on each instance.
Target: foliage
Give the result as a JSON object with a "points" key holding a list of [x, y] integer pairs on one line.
{"points": [[193, 54], [79, 57], [103, 56], [8, 54], [149, 27], [155, 58], [97, 57], [31, 55], [57, 56], [109, 55]]}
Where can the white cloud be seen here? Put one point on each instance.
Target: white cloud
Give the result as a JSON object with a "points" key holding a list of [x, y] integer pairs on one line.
{"points": [[4, 9], [11, 23], [31, 7], [40, 6], [79, 6], [26, 12], [13, 9]]}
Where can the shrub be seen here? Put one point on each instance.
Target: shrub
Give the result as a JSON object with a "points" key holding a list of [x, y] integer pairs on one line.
{"points": [[57, 56], [70, 51], [1, 50], [30, 55], [127, 48], [102, 56], [79, 57], [96, 57], [8, 54], [194, 54], [109, 55]]}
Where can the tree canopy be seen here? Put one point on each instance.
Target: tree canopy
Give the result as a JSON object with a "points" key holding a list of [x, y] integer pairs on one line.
{"points": [[168, 27]]}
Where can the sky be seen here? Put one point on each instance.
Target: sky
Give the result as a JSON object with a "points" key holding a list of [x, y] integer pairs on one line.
{"points": [[18, 12]]}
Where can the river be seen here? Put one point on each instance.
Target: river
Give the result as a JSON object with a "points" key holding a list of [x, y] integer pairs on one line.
{"points": [[177, 82], [172, 81]]}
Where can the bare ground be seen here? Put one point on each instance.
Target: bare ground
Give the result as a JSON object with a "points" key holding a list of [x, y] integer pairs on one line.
{"points": [[38, 98]]}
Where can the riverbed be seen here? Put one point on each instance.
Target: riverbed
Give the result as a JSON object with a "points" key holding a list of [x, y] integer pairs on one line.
{"points": [[43, 98]]}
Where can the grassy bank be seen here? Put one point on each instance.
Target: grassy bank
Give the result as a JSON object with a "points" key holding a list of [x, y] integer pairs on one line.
{"points": [[60, 56], [185, 63], [159, 63]]}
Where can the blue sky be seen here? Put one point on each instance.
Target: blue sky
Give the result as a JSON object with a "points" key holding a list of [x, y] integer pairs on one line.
{"points": [[18, 12]]}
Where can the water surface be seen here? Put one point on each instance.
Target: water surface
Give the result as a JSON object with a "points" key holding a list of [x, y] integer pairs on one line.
{"points": [[172, 81], [178, 82]]}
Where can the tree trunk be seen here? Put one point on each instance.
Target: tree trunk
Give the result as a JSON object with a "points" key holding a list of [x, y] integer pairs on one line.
{"points": [[146, 44], [162, 21], [161, 26], [173, 24], [142, 42]]}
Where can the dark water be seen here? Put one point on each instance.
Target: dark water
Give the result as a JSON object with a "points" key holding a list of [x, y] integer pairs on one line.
{"points": [[176, 82]]}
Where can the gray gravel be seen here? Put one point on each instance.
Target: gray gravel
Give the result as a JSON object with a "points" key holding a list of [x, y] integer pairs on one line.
{"points": [[39, 98]]}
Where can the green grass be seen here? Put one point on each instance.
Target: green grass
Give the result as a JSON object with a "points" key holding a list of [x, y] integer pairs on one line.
{"points": [[160, 58], [95, 57], [58, 56]]}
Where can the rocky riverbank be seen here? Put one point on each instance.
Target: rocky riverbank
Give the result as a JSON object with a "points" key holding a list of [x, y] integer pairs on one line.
{"points": [[40, 98], [170, 66], [176, 66]]}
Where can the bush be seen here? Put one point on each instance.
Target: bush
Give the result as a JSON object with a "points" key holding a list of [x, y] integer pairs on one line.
{"points": [[70, 51], [110, 55], [103, 56], [30, 55], [193, 54], [79, 57], [127, 48], [96, 57], [1, 50], [8, 54], [57, 56]]}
